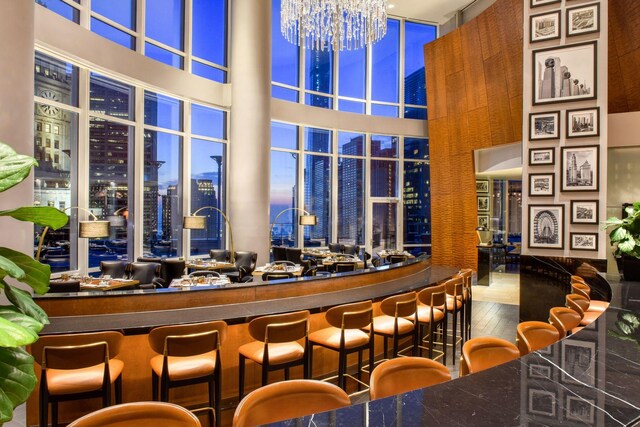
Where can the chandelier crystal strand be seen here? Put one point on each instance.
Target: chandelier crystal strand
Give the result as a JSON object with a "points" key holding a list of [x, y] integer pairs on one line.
{"points": [[333, 24]]}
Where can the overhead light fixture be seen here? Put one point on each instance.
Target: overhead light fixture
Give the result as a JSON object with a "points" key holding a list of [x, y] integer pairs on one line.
{"points": [[333, 24], [196, 222]]}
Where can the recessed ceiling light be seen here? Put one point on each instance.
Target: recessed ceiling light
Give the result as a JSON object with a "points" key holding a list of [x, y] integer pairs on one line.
{"points": [[391, 6]]}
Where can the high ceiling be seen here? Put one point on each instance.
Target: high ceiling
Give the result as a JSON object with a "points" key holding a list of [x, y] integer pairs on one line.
{"points": [[438, 11]]}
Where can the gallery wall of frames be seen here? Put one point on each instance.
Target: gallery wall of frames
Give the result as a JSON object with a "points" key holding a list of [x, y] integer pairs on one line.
{"points": [[565, 127]]}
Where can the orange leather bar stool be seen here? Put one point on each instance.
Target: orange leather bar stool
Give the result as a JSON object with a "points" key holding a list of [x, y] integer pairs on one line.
{"points": [[534, 335], [580, 305], [575, 278], [584, 290], [565, 320], [399, 320], [483, 353], [77, 366], [276, 345], [345, 335], [432, 312], [405, 374], [456, 308], [140, 414], [288, 399], [188, 354]]}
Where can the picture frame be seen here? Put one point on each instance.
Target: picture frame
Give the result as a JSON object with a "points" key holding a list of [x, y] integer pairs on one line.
{"points": [[538, 3], [541, 402], [584, 212], [565, 73], [583, 19], [583, 123], [483, 203], [543, 126], [483, 221], [541, 184], [539, 371], [482, 185], [583, 241], [546, 226], [578, 362], [580, 169], [580, 409], [545, 26], [542, 156]]}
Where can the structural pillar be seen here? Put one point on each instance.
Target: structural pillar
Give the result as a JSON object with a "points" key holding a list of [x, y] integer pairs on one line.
{"points": [[250, 141]]}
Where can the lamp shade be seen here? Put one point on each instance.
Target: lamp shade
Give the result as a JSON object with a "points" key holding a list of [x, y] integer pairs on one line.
{"points": [[117, 220], [91, 229], [308, 220], [194, 222]]}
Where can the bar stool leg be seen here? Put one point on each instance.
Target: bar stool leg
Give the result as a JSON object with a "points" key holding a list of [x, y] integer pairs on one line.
{"points": [[118, 387], [241, 367], [54, 413], [154, 386], [218, 394], [44, 407]]}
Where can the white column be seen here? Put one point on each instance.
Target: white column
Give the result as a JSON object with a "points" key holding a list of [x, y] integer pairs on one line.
{"points": [[249, 148], [16, 120]]}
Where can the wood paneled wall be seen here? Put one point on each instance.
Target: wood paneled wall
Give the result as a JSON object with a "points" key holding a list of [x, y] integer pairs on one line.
{"points": [[474, 96], [624, 56]]}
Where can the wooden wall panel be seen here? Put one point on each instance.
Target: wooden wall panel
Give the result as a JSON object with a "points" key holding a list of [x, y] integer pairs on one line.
{"points": [[624, 56], [475, 101]]}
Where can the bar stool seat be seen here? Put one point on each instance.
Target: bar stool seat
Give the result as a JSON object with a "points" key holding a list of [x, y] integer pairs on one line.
{"points": [[398, 320], [385, 325], [63, 381], [424, 314], [278, 352], [186, 368], [330, 337]]}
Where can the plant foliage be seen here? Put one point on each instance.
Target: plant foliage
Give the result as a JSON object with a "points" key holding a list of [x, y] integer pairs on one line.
{"points": [[625, 233]]}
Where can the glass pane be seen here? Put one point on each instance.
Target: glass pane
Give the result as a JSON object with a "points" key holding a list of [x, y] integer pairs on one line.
{"points": [[317, 140], [415, 113], [284, 136], [109, 183], [284, 55], [318, 69], [415, 37], [319, 101], [208, 72], [384, 232], [416, 148], [384, 175], [351, 201], [418, 250], [385, 68], [515, 213], [284, 93], [351, 144], [284, 195], [352, 73], [61, 8], [121, 11], [317, 199], [417, 203], [56, 80], [384, 110], [208, 189], [112, 33], [351, 106], [498, 209], [163, 55], [162, 224], [208, 121], [55, 182], [209, 20], [164, 22], [162, 111], [111, 97], [384, 146]]}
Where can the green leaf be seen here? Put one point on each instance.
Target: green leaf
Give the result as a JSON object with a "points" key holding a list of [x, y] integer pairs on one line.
{"points": [[8, 267], [44, 216], [17, 380], [13, 335], [13, 167], [618, 235], [36, 274], [22, 300], [627, 246], [12, 314]]}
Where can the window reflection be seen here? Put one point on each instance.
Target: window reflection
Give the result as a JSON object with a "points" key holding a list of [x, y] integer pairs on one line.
{"points": [[317, 196], [284, 195], [351, 174]]}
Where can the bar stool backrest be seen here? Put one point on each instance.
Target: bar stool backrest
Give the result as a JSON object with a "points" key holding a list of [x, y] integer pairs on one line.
{"points": [[534, 335], [280, 328], [357, 315], [581, 289], [55, 345], [577, 303], [433, 296], [483, 353], [404, 374], [188, 340], [140, 414], [454, 286], [564, 319], [403, 305]]}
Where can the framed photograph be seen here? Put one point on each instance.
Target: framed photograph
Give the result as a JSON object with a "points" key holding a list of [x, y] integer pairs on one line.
{"points": [[583, 241], [584, 212], [546, 226], [579, 170], [584, 122], [578, 362], [583, 19], [482, 186], [566, 73], [536, 3], [580, 409], [539, 371], [541, 184], [544, 26], [483, 203], [544, 125], [542, 402], [542, 156], [483, 221]]}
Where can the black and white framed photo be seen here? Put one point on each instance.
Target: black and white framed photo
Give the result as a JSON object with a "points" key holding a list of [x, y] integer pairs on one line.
{"points": [[577, 408], [482, 186], [483, 221], [583, 122], [539, 371], [542, 402], [583, 19], [578, 362], [546, 226], [584, 212], [544, 26], [542, 156], [541, 184], [483, 203], [580, 168], [566, 73], [583, 241], [544, 125], [536, 3]]}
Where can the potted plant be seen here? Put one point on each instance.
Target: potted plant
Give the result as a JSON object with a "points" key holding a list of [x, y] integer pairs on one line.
{"points": [[625, 238], [22, 318]]}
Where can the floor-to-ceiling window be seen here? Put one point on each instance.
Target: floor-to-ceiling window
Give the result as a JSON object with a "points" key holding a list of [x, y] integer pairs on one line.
{"points": [[416, 196]]}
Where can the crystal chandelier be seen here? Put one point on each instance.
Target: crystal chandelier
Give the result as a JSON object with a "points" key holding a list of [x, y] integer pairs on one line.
{"points": [[333, 24]]}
